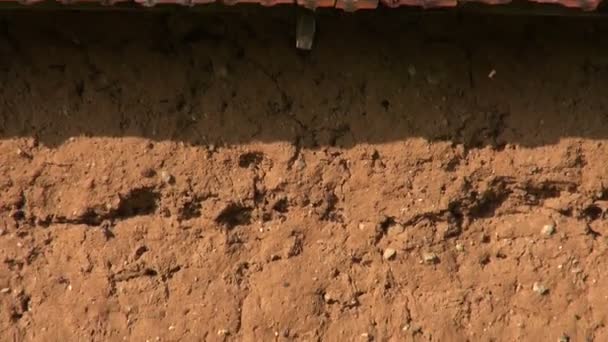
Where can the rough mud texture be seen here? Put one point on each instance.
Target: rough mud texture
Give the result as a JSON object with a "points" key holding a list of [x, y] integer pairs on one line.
{"points": [[193, 177]]}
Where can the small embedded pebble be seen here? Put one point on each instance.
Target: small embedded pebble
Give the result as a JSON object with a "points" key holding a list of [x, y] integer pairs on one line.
{"points": [[430, 258], [148, 172], [328, 298], [459, 247], [366, 337], [32, 143], [22, 153], [5, 290], [540, 288], [299, 164], [411, 70], [413, 329], [89, 183], [564, 338], [395, 229], [166, 177], [389, 254], [548, 230], [223, 332]]}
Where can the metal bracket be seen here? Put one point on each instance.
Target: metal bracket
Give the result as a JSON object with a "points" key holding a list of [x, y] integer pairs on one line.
{"points": [[310, 4], [305, 30], [350, 5]]}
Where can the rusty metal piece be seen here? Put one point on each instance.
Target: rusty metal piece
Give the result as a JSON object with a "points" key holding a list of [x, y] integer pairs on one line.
{"points": [[305, 30], [348, 5], [311, 4]]}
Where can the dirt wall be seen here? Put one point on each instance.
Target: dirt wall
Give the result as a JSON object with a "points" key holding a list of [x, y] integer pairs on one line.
{"points": [[193, 177]]}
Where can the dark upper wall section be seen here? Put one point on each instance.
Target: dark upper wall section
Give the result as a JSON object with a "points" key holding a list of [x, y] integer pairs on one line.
{"points": [[371, 78]]}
